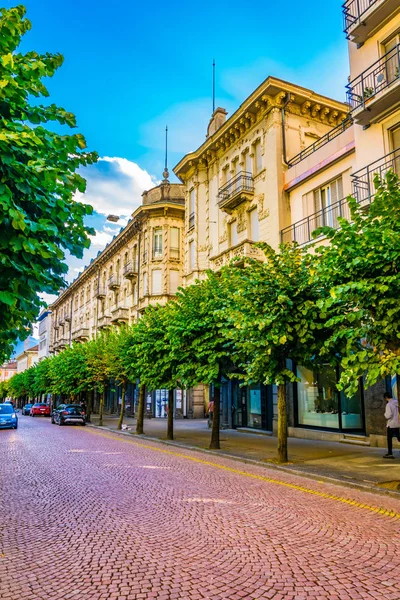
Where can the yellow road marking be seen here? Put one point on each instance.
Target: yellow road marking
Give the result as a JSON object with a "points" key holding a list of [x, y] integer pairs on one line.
{"points": [[380, 511]]}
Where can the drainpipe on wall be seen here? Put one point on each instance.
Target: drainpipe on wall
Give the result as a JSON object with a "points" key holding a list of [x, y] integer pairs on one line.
{"points": [[287, 100]]}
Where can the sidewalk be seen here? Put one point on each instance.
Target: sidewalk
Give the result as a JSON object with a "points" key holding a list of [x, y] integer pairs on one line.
{"points": [[348, 463]]}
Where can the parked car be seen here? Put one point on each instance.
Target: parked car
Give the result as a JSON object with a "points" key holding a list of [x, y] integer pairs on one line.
{"points": [[68, 413], [8, 416], [39, 408], [27, 409], [59, 407]]}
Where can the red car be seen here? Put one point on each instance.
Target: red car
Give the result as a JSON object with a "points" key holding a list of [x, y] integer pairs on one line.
{"points": [[40, 409]]}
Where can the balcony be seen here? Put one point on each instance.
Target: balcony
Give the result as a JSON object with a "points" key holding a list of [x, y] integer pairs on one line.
{"points": [[376, 89], [101, 292], [131, 270], [68, 318], [120, 315], [363, 180], [61, 321], [113, 282], [104, 322], [325, 139], [361, 17], [243, 250], [301, 231], [61, 343], [81, 334], [238, 190]]}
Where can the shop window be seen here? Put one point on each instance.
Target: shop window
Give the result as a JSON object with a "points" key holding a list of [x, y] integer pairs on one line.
{"points": [[321, 404]]}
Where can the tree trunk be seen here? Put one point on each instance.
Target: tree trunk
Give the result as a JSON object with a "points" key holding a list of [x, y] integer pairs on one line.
{"points": [[140, 413], [170, 416], [214, 444], [89, 406], [282, 424], [101, 406], [122, 411]]}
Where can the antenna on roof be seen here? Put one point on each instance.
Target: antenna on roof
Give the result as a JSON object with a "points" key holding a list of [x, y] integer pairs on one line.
{"points": [[166, 172], [213, 86]]}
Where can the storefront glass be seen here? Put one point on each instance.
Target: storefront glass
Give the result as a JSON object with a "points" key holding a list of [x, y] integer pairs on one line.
{"points": [[254, 406], [320, 404]]}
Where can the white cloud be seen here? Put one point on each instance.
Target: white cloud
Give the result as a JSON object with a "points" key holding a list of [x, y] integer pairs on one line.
{"points": [[78, 269], [99, 240], [115, 186]]}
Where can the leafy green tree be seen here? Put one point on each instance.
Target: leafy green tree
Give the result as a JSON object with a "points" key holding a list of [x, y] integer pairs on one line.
{"points": [[199, 342], [270, 315], [157, 365], [69, 373], [4, 389], [97, 359], [118, 345], [42, 377], [39, 219], [360, 271], [17, 386]]}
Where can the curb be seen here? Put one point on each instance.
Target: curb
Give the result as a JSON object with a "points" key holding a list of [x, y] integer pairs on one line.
{"points": [[364, 487]]}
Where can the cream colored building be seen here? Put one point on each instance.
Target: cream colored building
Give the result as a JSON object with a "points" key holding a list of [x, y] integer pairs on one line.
{"points": [[142, 265], [235, 181], [27, 358]]}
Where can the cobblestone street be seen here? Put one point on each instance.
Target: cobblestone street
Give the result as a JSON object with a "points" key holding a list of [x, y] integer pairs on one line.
{"points": [[92, 515]]}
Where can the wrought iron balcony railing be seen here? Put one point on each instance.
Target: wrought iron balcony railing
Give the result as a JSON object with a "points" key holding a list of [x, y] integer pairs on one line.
{"points": [[113, 282], [131, 269], [325, 139], [363, 180], [239, 189], [353, 10], [101, 292], [379, 76], [301, 231]]}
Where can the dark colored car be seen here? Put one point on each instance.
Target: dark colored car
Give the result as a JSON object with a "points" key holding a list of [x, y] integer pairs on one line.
{"points": [[8, 417], [68, 413], [27, 409], [39, 408]]}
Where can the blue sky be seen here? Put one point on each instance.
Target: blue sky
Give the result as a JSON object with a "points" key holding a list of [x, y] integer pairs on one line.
{"points": [[132, 67]]}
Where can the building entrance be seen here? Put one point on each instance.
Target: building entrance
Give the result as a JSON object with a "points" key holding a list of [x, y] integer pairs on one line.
{"points": [[252, 406]]}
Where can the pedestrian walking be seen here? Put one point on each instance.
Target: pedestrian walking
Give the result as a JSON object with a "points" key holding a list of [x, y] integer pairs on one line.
{"points": [[392, 422], [210, 413]]}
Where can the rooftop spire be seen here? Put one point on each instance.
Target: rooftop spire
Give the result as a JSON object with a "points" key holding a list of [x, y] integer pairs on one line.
{"points": [[213, 87], [166, 172]]}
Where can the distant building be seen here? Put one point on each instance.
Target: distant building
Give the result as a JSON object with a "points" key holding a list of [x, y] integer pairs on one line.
{"points": [[44, 323], [7, 370], [27, 358]]}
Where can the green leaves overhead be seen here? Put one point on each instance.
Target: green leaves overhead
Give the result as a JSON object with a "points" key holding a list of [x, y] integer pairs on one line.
{"points": [[39, 218]]}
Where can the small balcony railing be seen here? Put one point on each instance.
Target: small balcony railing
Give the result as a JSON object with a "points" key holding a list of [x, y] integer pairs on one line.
{"points": [[113, 282], [131, 269], [363, 180], [382, 74], [120, 315], [80, 334], [239, 189], [301, 231], [101, 292], [191, 220], [325, 139], [104, 321], [353, 10]]}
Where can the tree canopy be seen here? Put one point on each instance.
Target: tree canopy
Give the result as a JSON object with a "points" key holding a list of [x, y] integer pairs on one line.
{"points": [[39, 218]]}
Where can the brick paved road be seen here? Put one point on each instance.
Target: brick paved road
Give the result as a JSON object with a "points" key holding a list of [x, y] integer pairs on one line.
{"points": [[87, 515]]}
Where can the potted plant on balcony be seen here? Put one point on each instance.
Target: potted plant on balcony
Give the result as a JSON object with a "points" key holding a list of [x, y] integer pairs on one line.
{"points": [[368, 93]]}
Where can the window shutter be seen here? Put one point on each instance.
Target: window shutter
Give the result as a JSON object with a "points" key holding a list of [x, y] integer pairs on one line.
{"points": [[396, 138]]}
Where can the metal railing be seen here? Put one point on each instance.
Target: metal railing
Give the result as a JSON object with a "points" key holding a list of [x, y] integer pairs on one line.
{"points": [[191, 220], [363, 180], [325, 139], [301, 231], [243, 182], [131, 268], [113, 281], [353, 10], [376, 78]]}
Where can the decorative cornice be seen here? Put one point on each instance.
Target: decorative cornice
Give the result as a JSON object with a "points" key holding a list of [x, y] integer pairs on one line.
{"points": [[272, 93]]}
